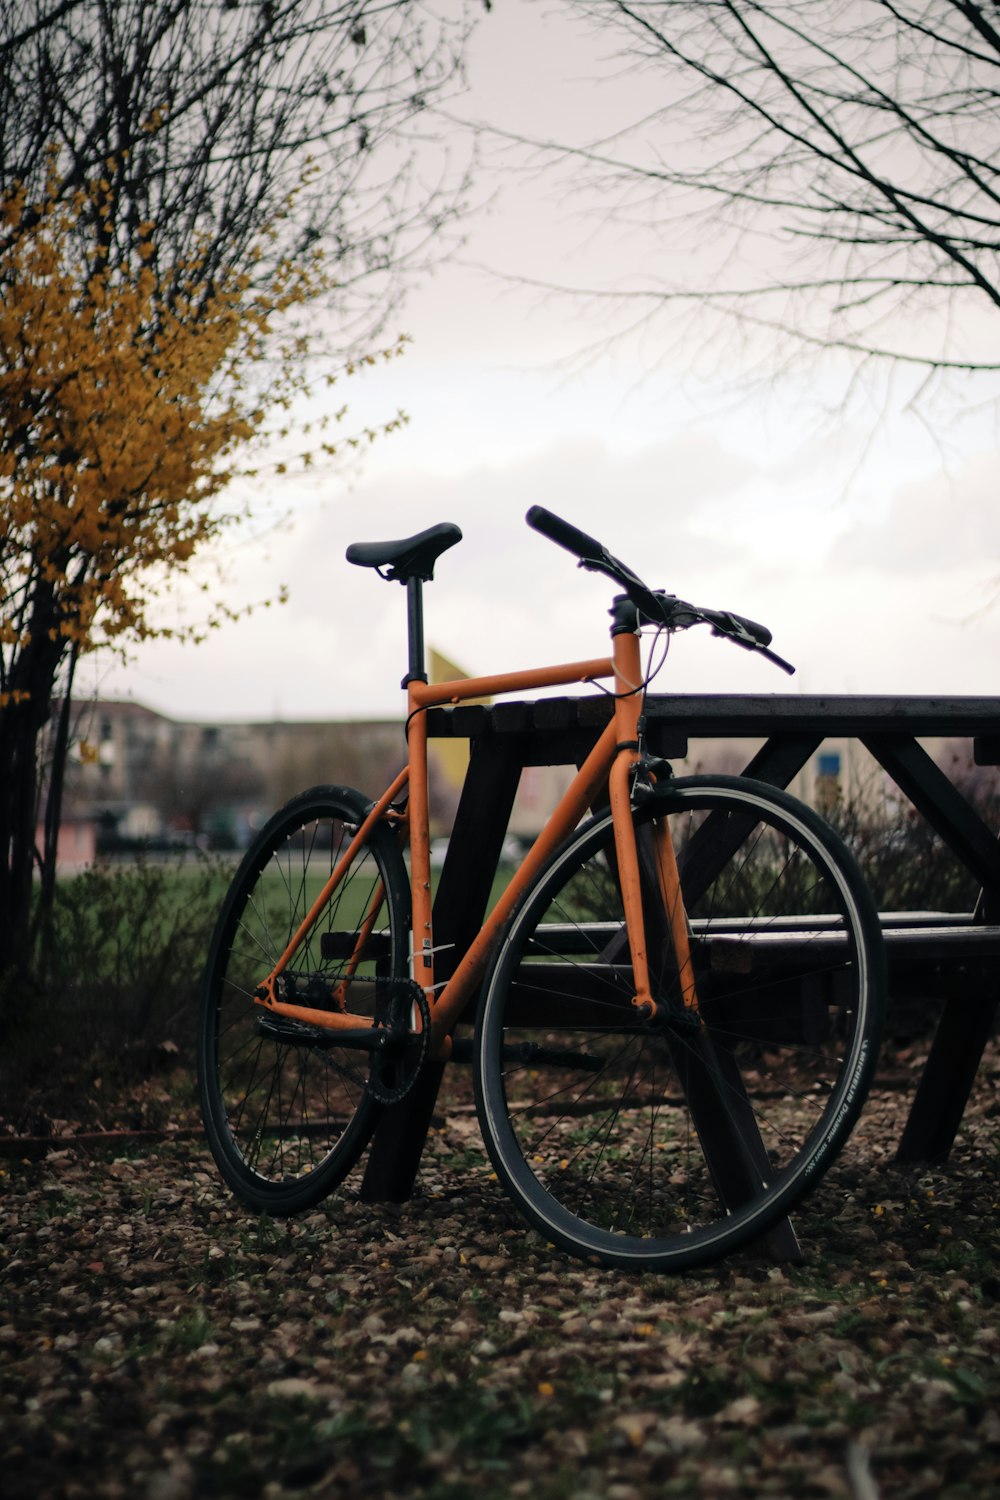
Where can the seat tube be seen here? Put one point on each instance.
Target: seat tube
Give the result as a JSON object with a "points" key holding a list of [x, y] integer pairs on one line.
{"points": [[422, 957], [420, 858], [628, 679]]}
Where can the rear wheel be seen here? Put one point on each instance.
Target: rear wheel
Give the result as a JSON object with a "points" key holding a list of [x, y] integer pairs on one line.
{"points": [[286, 1108], [664, 1144]]}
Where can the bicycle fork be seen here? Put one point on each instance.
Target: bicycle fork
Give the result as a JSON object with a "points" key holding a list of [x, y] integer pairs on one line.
{"points": [[664, 877]]}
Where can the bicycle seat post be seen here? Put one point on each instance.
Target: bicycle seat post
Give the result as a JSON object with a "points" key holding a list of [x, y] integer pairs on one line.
{"points": [[416, 670], [411, 561]]}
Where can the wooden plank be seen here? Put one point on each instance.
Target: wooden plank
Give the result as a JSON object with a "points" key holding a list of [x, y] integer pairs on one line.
{"points": [[910, 939], [759, 716], [940, 802], [965, 1026], [474, 848], [739, 716], [786, 1006], [782, 758], [726, 1126]]}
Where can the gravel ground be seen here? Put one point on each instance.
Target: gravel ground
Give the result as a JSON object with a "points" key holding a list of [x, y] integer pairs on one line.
{"points": [[157, 1342]]}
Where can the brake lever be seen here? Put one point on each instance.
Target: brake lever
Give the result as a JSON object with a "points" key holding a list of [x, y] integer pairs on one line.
{"points": [[728, 627], [737, 632]]}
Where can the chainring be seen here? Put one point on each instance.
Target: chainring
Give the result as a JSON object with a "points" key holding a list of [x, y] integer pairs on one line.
{"points": [[396, 1066]]}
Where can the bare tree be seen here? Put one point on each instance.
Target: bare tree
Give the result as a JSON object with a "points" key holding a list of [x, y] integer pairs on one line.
{"points": [[831, 170], [202, 113]]}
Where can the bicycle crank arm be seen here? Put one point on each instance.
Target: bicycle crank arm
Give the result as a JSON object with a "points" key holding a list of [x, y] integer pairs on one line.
{"points": [[375, 1039]]}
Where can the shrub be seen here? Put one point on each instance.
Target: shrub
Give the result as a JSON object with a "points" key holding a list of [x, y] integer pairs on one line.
{"points": [[116, 988]]}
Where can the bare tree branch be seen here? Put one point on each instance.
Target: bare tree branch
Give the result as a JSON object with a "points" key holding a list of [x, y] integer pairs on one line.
{"points": [[810, 149], [210, 110]]}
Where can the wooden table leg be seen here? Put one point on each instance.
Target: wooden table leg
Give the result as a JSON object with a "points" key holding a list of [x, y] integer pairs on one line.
{"points": [[965, 1027], [460, 905]]}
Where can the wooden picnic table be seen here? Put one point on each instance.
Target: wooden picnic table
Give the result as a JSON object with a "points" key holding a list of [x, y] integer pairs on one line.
{"points": [[956, 954]]}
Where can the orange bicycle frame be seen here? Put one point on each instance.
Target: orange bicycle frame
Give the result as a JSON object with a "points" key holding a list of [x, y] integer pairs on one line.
{"points": [[611, 761]]}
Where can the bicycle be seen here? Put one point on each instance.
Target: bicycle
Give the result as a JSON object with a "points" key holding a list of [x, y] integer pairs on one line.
{"points": [[681, 989]]}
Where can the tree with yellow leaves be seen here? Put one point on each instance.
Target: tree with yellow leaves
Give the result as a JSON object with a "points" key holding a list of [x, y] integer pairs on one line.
{"points": [[126, 395], [148, 273]]}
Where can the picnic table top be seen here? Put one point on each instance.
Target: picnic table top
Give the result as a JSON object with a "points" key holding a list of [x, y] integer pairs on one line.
{"points": [[735, 715]]}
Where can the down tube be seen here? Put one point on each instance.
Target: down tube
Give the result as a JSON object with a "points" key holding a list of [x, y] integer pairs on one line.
{"points": [[571, 808]]}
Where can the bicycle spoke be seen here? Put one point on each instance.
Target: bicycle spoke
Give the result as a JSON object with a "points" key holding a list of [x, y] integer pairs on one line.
{"points": [[287, 1118]]}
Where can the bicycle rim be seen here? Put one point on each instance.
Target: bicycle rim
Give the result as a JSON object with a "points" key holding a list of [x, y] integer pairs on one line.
{"points": [[666, 1145], [285, 1107]]}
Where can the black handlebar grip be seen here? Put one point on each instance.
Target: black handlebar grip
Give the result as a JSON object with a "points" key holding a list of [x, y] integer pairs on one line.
{"points": [[762, 633], [759, 633], [565, 535], [737, 628]]}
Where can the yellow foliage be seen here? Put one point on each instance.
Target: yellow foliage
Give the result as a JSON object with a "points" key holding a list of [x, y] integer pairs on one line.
{"points": [[125, 396]]}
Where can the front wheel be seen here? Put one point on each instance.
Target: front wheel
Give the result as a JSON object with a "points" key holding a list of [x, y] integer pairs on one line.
{"points": [[663, 1144], [287, 1109]]}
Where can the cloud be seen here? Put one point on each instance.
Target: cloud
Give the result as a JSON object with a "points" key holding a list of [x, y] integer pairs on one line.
{"points": [[882, 607], [933, 525], [504, 598]]}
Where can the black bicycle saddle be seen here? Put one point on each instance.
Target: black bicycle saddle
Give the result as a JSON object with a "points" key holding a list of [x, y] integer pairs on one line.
{"points": [[410, 557]]}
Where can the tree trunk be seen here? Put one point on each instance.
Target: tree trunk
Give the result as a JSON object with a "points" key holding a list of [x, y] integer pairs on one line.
{"points": [[22, 724], [52, 793], [21, 727]]}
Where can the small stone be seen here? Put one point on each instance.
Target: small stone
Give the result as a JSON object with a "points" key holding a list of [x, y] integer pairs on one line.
{"points": [[293, 1386], [175, 1483]]}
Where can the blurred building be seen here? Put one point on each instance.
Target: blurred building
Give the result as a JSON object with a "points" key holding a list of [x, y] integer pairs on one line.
{"points": [[139, 778]]}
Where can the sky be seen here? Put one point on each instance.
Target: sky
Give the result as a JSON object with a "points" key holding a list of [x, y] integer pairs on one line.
{"points": [[867, 539]]}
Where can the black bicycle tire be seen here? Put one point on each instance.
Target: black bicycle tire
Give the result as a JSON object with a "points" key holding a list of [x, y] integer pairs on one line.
{"points": [[300, 1190], [733, 1229]]}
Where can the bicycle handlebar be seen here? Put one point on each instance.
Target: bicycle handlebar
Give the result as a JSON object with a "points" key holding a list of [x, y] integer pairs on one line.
{"points": [[564, 534], [594, 556], [656, 606]]}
